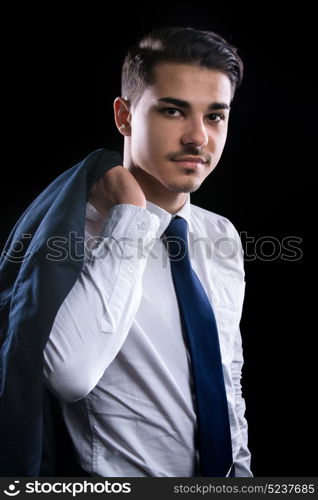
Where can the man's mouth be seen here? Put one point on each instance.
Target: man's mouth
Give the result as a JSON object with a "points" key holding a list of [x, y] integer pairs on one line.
{"points": [[191, 161]]}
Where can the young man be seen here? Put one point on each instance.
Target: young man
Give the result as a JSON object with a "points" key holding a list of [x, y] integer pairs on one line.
{"points": [[144, 354]]}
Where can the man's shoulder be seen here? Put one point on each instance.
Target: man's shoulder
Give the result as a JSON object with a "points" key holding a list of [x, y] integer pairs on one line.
{"points": [[213, 228], [219, 223]]}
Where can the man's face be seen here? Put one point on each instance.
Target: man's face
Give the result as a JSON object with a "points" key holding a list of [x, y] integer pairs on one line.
{"points": [[183, 115]]}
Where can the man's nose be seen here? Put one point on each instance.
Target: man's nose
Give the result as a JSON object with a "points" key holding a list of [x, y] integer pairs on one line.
{"points": [[195, 134]]}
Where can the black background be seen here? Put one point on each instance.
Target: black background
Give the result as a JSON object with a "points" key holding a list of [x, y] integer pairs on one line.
{"points": [[61, 75]]}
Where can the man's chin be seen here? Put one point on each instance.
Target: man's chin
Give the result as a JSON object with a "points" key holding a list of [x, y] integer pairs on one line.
{"points": [[184, 187]]}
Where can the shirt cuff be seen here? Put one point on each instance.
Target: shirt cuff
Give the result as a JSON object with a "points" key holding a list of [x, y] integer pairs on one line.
{"points": [[118, 257], [126, 220]]}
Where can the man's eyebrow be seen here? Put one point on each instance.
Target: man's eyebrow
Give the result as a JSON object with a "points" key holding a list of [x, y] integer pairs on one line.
{"points": [[186, 105]]}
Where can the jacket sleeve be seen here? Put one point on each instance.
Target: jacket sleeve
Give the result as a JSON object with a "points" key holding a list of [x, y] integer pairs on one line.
{"points": [[32, 288]]}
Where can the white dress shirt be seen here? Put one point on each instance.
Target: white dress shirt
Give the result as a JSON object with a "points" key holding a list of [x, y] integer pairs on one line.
{"points": [[116, 356]]}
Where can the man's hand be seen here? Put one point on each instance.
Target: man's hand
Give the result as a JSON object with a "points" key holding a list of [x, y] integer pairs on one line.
{"points": [[116, 186]]}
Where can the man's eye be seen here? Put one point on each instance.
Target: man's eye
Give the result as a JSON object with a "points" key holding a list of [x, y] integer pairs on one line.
{"points": [[216, 117], [171, 111]]}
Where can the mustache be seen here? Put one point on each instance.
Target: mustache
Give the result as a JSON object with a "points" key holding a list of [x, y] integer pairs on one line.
{"points": [[190, 151]]}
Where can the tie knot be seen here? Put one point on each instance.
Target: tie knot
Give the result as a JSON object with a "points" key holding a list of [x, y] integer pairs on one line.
{"points": [[176, 238]]}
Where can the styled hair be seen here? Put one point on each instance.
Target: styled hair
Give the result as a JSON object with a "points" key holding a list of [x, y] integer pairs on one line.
{"points": [[179, 45]]}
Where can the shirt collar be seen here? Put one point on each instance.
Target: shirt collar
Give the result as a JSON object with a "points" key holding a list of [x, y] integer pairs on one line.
{"points": [[165, 217]]}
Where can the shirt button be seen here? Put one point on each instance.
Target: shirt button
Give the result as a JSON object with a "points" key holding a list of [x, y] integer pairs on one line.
{"points": [[130, 269], [142, 225]]}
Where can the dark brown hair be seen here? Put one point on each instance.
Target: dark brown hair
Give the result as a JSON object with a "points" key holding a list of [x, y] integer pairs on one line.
{"points": [[180, 45]]}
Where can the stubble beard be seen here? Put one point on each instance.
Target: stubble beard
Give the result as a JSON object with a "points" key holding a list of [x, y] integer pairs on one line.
{"points": [[189, 186], [183, 189]]}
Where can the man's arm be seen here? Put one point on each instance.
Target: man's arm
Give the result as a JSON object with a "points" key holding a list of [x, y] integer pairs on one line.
{"points": [[243, 458], [95, 317]]}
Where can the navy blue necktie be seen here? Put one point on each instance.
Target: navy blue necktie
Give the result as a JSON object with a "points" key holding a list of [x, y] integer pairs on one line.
{"points": [[199, 325]]}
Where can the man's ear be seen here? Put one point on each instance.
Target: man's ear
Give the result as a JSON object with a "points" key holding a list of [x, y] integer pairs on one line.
{"points": [[122, 115]]}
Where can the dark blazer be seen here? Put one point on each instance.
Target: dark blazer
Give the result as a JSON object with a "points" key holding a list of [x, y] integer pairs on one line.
{"points": [[33, 285]]}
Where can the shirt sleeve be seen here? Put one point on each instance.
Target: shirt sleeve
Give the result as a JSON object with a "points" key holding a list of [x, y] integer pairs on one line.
{"points": [[95, 318], [243, 457], [242, 461]]}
